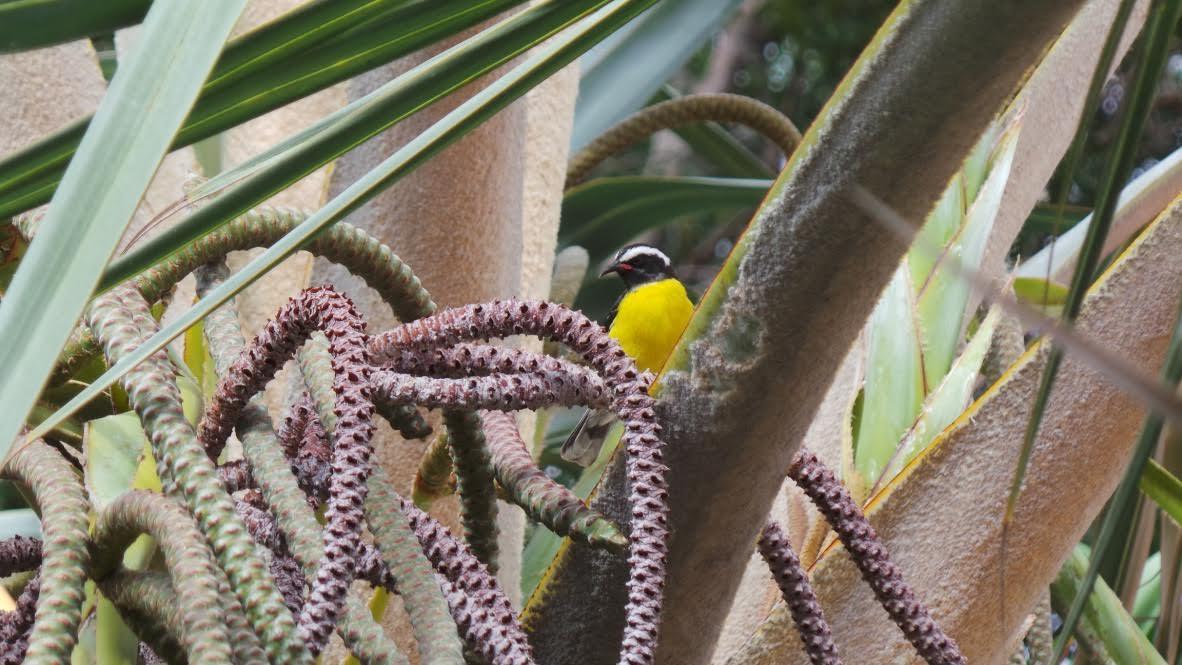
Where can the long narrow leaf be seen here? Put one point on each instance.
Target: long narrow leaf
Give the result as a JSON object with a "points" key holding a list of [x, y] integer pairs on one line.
{"points": [[606, 213], [406, 30], [304, 27], [1164, 488], [29, 24], [359, 121], [946, 401], [895, 383], [259, 84], [557, 53], [943, 296], [1139, 202], [1106, 621], [147, 100], [625, 71], [917, 326]]}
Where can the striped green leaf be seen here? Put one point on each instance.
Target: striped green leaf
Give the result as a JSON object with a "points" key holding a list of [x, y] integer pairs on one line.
{"points": [[918, 327], [944, 294], [29, 24], [555, 54], [946, 401], [268, 68], [278, 168], [603, 214], [895, 384], [622, 74], [146, 103], [1164, 488]]}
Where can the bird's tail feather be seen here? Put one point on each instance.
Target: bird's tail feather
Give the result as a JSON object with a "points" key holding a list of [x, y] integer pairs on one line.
{"points": [[584, 443]]}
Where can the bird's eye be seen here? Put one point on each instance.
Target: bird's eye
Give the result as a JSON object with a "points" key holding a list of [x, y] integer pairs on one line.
{"points": [[625, 267]]}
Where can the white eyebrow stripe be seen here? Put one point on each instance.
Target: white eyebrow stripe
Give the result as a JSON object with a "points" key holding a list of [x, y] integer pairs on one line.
{"points": [[640, 250]]}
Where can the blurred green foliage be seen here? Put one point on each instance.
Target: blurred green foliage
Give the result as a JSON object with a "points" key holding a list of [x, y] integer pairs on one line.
{"points": [[799, 51]]}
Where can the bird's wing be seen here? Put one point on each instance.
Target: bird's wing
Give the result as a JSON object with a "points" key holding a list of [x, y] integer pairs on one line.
{"points": [[585, 440], [611, 316], [583, 444]]}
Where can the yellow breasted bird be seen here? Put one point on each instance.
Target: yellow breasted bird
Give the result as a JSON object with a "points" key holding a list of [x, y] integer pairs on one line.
{"points": [[647, 321]]}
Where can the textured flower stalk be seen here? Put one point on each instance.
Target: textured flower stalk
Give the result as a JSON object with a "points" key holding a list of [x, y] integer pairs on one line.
{"points": [[266, 532], [648, 492], [16, 625], [235, 475], [481, 610], [316, 368], [360, 633], [18, 554], [543, 499], [306, 446], [62, 503], [405, 419], [477, 504], [430, 618], [148, 605], [342, 243], [293, 431], [798, 594], [478, 510], [474, 480], [679, 112], [464, 360], [477, 616], [360, 253], [182, 555], [501, 392], [289, 577], [869, 554], [260, 524], [332, 313], [244, 640], [1041, 637], [122, 321], [80, 348], [189, 561]]}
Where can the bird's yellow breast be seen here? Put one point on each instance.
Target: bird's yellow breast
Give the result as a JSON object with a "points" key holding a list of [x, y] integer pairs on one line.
{"points": [[649, 320]]}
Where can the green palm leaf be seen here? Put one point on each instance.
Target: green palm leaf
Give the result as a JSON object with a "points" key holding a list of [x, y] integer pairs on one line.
{"points": [[557, 53], [146, 103]]}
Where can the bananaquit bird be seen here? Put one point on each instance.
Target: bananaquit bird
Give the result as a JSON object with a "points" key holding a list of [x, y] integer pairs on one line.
{"points": [[647, 321]]}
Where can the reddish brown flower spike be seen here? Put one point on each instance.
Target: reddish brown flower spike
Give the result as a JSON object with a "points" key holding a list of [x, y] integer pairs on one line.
{"points": [[630, 401], [324, 309], [869, 554]]}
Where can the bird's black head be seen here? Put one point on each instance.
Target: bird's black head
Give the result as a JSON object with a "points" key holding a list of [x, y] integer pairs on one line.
{"points": [[639, 264]]}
